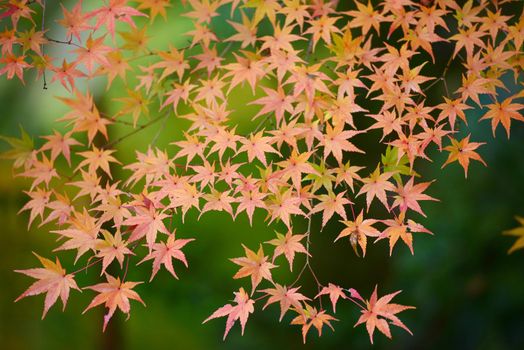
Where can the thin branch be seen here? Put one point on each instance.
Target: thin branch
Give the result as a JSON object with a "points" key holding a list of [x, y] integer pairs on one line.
{"points": [[122, 138], [69, 42], [42, 46], [162, 127]]}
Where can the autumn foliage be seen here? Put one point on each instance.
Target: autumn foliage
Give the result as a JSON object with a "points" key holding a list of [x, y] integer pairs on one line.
{"points": [[328, 78]]}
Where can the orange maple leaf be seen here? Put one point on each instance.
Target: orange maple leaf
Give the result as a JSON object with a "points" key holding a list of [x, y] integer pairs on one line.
{"points": [[462, 151], [164, 252], [240, 311], [114, 294], [255, 265], [311, 317], [335, 292], [52, 280], [378, 311], [358, 231], [288, 245], [502, 113], [287, 297]]}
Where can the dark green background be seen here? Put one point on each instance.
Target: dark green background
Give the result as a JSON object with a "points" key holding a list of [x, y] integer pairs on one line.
{"points": [[468, 292]]}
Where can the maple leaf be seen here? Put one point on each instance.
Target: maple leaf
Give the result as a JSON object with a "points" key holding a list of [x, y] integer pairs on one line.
{"points": [[114, 294], [387, 121], [468, 38], [276, 101], [7, 40], [155, 7], [473, 86], [244, 306], [309, 79], [82, 234], [172, 61], [287, 133], [348, 173], [376, 185], [255, 265], [94, 52], [118, 66], [61, 209], [110, 248], [41, 171], [15, 10], [393, 161], [164, 252], [322, 28], [135, 40], [462, 151], [286, 297], [209, 60], [114, 10], [22, 150], [410, 146], [284, 205], [146, 223], [246, 32], [264, 8], [257, 146], [135, 104], [281, 40], [409, 194], [97, 158], [335, 141], [14, 65], [52, 280], [296, 165], [74, 21], [378, 311], [219, 201], [365, 17], [186, 197], [33, 40], [39, 200], [249, 201], [395, 59], [66, 74], [85, 116], [288, 245], [450, 109], [283, 62], [295, 11], [398, 228], [210, 90], [203, 10], [311, 317], [494, 22], [335, 292], [322, 177], [153, 166], [249, 68], [202, 34], [89, 185], [60, 144], [503, 113], [358, 230], [518, 232], [331, 204]]}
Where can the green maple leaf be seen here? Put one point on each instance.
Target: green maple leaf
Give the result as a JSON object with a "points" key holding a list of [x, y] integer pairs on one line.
{"points": [[21, 148]]}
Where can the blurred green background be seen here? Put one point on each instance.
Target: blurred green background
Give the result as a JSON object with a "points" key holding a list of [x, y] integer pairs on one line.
{"points": [[468, 292]]}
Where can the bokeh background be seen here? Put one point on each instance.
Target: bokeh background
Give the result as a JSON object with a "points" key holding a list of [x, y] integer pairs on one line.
{"points": [[468, 292]]}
